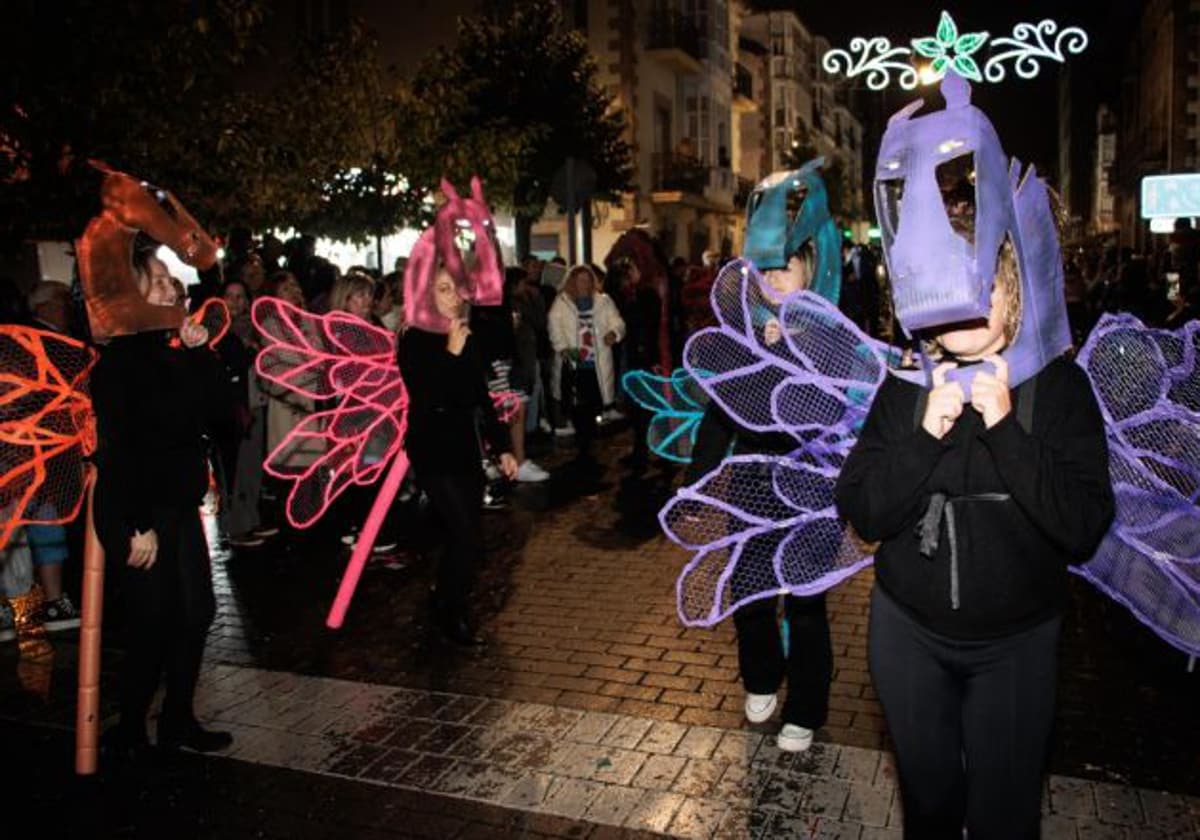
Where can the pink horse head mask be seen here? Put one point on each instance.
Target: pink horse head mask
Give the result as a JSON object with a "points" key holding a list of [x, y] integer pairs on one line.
{"points": [[462, 240]]}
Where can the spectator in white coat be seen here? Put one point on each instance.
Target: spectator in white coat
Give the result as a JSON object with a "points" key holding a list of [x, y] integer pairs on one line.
{"points": [[584, 325]]}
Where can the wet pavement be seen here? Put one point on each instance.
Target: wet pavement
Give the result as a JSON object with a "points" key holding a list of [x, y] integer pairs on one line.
{"points": [[592, 711]]}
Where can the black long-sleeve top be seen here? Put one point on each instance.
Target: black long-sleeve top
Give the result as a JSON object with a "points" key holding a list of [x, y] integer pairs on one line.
{"points": [[1025, 504], [448, 403], [154, 404], [641, 310], [719, 435]]}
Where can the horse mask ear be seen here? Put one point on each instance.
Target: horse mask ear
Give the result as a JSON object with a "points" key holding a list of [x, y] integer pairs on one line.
{"points": [[449, 191], [477, 190]]}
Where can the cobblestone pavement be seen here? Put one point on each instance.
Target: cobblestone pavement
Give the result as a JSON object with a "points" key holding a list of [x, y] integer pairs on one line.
{"points": [[514, 763], [578, 599]]}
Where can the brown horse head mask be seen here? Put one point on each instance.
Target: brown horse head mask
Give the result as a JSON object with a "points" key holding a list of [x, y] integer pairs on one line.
{"points": [[105, 253]]}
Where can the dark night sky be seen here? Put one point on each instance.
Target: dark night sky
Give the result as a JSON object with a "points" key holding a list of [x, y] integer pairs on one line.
{"points": [[1024, 112]]}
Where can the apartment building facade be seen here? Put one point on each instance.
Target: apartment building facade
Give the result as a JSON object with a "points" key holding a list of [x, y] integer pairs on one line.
{"points": [[805, 109], [671, 66]]}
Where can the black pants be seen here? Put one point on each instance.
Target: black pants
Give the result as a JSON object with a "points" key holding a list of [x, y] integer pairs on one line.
{"points": [[583, 387], [971, 722], [808, 666], [457, 499], [639, 422], [168, 609]]}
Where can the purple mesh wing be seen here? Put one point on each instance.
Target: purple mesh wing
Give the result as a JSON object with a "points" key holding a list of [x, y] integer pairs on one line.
{"points": [[761, 525], [1148, 387], [822, 373], [733, 362]]}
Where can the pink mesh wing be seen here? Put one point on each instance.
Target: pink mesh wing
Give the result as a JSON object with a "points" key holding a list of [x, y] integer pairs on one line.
{"points": [[340, 359], [46, 427]]}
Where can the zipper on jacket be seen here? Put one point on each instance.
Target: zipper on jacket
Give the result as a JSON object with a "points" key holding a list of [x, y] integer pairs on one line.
{"points": [[955, 601]]}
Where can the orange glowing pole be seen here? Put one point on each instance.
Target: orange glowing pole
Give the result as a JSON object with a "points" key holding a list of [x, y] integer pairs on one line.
{"points": [[87, 715]]}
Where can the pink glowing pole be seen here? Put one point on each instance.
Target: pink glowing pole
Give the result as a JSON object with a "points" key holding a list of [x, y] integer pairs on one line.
{"points": [[366, 540]]}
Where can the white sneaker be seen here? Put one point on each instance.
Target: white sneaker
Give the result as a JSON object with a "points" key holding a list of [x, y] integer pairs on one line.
{"points": [[612, 415], [760, 707], [545, 426], [531, 472], [793, 738], [564, 431]]}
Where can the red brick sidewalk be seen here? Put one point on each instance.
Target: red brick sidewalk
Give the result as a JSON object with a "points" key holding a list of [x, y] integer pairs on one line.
{"points": [[590, 623]]}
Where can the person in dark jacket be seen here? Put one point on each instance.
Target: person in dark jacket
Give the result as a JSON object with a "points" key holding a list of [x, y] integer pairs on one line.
{"points": [[640, 306], [978, 506], [447, 392], [154, 403]]}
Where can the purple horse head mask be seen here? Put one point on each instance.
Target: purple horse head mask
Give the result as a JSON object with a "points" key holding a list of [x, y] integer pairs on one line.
{"points": [[947, 199]]}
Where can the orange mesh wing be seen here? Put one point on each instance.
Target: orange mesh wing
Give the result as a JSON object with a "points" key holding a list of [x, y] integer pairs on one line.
{"points": [[46, 427]]}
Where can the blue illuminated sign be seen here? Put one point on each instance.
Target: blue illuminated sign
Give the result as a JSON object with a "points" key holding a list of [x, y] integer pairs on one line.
{"points": [[1170, 196]]}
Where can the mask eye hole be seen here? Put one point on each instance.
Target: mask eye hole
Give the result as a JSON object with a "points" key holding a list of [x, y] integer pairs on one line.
{"points": [[752, 204], [464, 236], [889, 196], [464, 242], [956, 182], [795, 200]]}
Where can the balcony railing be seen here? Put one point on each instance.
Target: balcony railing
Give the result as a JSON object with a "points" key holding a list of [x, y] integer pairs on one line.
{"points": [[687, 174], [679, 173], [670, 30], [743, 82]]}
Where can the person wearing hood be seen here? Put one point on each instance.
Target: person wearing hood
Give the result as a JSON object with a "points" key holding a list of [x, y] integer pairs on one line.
{"points": [[584, 326]]}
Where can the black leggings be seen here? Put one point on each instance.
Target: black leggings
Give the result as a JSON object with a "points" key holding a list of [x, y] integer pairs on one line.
{"points": [[457, 499], [168, 610], [809, 664], [971, 722]]}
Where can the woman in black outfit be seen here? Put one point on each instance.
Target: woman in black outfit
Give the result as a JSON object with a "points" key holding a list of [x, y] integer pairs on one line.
{"points": [[448, 402], [980, 505], [153, 403]]}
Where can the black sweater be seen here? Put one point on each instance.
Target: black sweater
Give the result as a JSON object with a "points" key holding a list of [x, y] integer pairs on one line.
{"points": [[154, 403], [1055, 504], [719, 433], [447, 398]]}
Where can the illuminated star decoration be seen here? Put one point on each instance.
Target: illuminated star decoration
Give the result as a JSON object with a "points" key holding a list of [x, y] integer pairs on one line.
{"points": [[876, 58], [949, 49]]}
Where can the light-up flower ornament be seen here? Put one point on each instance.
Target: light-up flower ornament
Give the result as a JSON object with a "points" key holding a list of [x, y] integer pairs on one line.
{"points": [[950, 49], [875, 58]]}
